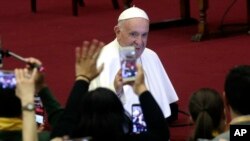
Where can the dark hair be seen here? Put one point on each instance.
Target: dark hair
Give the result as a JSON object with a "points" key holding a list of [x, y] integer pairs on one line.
{"points": [[237, 89], [10, 105], [102, 116], [207, 110]]}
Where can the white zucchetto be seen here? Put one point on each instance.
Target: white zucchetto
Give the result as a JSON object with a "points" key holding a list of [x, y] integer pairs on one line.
{"points": [[133, 12]]}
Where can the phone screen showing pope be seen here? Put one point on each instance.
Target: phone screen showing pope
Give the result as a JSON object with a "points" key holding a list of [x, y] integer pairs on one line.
{"points": [[139, 124], [128, 63]]}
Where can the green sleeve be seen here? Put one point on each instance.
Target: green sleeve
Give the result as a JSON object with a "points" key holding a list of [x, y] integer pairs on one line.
{"points": [[51, 105]]}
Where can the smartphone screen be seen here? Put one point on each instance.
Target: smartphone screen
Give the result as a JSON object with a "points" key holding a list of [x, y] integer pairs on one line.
{"points": [[128, 63], [7, 81], [39, 110], [139, 124]]}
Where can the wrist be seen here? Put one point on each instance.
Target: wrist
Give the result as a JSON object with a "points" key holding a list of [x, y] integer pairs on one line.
{"points": [[142, 89], [25, 101], [29, 107], [83, 77]]}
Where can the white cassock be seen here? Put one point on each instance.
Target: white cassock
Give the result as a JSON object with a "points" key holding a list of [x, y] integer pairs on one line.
{"points": [[156, 79]]}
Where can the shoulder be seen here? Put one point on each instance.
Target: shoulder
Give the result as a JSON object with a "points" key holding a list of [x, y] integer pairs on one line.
{"points": [[110, 50], [150, 53], [150, 56], [110, 46]]}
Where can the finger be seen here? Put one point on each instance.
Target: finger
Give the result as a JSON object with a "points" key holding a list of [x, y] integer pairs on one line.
{"points": [[101, 44], [131, 83], [20, 74], [120, 72], [77, 54], [34, 72], [93, 47], [33, 61], [17, 75], [139, 69], [140, 74], [98, 50], [26, 74], [85, 49]]}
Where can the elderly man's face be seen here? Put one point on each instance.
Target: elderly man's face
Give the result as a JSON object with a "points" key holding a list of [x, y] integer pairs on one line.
{"points": [[133, 32]]}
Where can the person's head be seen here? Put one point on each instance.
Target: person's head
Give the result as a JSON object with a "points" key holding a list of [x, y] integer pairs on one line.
{"points": [[237, 89], [207, 111], [132, 29], [102, 116]]}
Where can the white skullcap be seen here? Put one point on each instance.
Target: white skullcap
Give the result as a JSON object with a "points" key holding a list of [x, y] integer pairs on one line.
{"points": [[133, 12]]}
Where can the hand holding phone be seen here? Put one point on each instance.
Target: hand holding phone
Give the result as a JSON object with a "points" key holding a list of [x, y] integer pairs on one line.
{"points": [[8, 86]]}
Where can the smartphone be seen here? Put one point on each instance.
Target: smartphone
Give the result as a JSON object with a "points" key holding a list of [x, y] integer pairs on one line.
{"points": [[128, 63], [39, 110], [139, 124], [8, 86]]}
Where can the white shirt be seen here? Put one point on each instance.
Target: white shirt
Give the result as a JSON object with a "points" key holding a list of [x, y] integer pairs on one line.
{"points": [[155, 76]]}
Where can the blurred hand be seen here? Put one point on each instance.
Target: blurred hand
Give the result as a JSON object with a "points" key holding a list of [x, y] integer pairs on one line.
{"points": [[32, 60], [25, 85], [118, 83], [86, 58], [139, 85], [39, 79]]}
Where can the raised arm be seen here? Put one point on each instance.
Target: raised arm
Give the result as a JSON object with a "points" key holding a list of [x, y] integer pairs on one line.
{"points": [[51, 105], [25, 90], [85, 71], [157, 128]]}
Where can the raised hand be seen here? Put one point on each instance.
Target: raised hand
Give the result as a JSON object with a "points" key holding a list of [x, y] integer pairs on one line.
{"points": [[39, 79], [139, 85], [25, 85], [86, 58], [118, 83]]}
